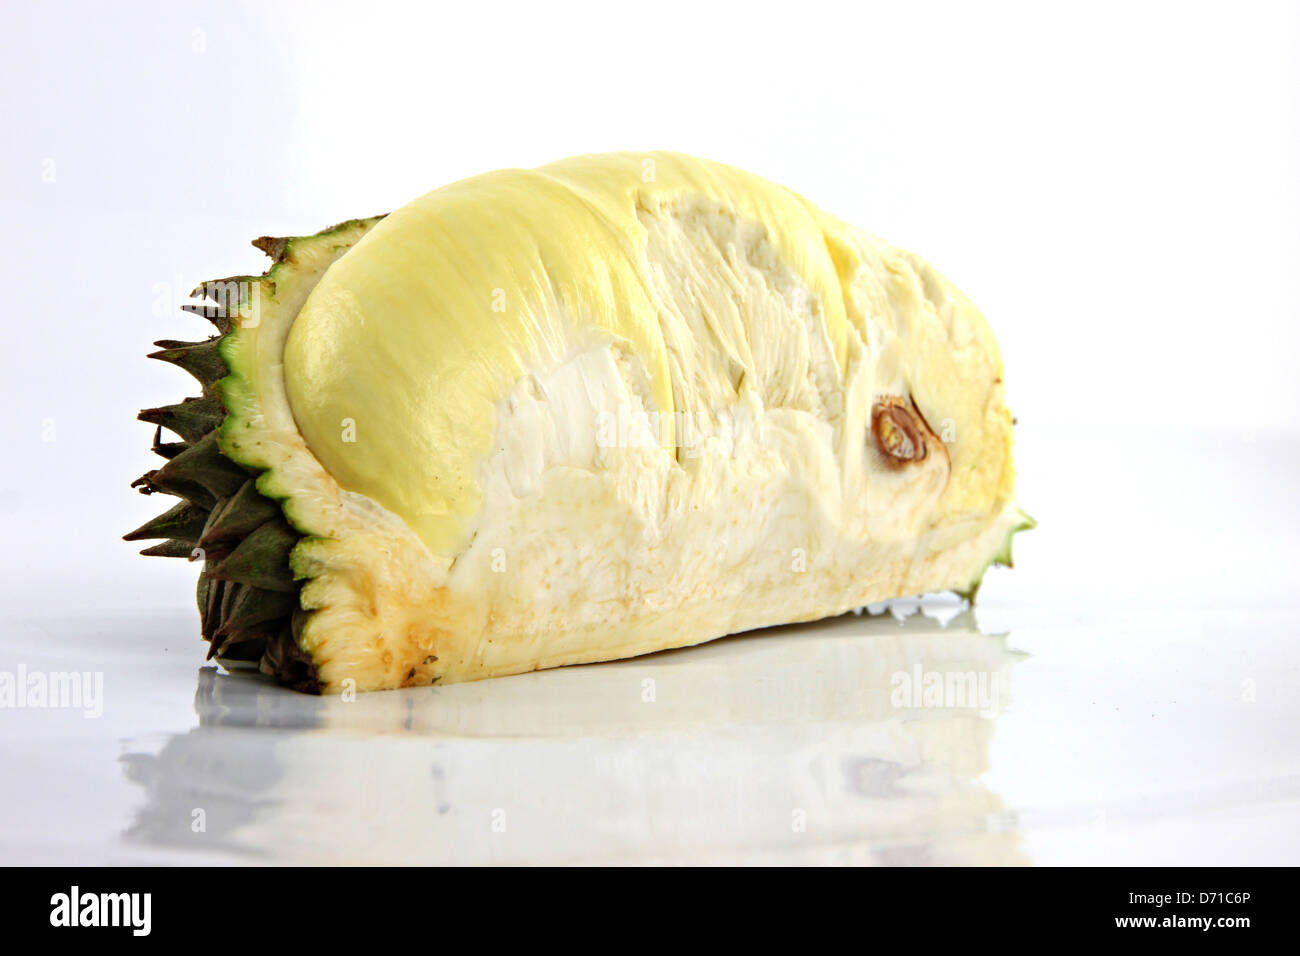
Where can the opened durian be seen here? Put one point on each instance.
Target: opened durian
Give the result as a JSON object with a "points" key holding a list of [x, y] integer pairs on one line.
{"points": [[613, 405]]}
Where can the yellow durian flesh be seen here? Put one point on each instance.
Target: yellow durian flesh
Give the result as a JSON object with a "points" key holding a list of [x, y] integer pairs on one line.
{"points": [[617, 404]]}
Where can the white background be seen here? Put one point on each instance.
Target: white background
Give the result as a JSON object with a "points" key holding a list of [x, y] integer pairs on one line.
{"points": [[1116, 185]]}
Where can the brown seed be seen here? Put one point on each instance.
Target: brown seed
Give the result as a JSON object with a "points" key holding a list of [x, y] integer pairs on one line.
{"points": [[899, 436]]}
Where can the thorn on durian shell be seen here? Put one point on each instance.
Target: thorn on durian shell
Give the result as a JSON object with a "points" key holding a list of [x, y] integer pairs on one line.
{"points": [[200, 359], [272, 246], [228, 598], [237, 518], [285, 660], [201, 595], [213, 313], [248, 649], [252, 606], [175, 548], [242, 645], [260, 559], [249, 616], [155, 483], [218, 290], [185, 520], [191, 419], [210, 610], [167, 450], [202, 464]]}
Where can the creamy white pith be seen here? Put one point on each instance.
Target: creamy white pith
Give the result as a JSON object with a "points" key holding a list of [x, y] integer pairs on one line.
{"points": [[628, 497]]}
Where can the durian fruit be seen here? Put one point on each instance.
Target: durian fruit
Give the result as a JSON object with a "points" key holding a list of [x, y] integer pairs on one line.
{"points": [[613, 405]]}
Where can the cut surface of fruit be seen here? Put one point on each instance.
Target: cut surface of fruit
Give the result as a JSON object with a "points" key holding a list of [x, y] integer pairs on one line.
{"points": [[613, 405]]}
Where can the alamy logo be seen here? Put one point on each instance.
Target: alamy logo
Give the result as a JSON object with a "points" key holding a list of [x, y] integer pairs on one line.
{"points": [[56, 690], [959, 690], [637, 428], [102, 909]]}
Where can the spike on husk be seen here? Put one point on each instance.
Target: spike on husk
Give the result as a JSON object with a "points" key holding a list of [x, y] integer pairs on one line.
{"points": [[275, 247], [191, 419], [175, 548], [247, 596], [200, 359], [164, 449], [260, 559], [237, 518], [185, 521]]}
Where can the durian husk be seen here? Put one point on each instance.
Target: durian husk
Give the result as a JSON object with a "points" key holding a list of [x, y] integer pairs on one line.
{"points": [[248, 599]]}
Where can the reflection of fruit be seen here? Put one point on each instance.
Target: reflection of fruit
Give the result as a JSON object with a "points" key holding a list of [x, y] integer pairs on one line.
{"points": [[699, 756], [617, 404]]}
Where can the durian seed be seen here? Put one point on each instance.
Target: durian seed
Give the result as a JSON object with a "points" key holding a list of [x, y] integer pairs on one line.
{"points": [[898, 434]]}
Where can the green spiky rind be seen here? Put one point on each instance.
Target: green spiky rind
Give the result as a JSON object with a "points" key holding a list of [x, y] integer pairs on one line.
{"points": [[1002, 558], [241, 399], [247, 594]]}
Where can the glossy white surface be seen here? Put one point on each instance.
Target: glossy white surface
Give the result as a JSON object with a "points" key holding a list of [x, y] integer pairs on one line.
{"points": [[1118, 193], [1114, 728]]}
